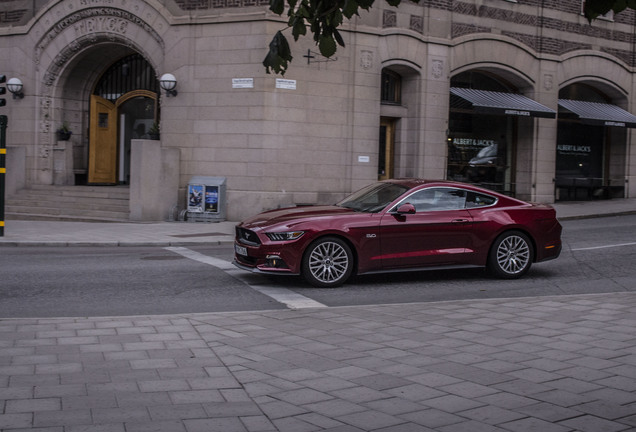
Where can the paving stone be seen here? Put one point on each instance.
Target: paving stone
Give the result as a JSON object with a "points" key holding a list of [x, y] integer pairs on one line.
{"points": [[334, 408], [381, 381], [395, 406], [606, 410], [549, 412], [369, 420], [112, 427], [258, 424], [177, 412], [62, 418], [16, 421], [452, 403], [294, 424], [492, 415], [163, 426], [469, 426], [122, 414], [190, 396], [588, 423]]}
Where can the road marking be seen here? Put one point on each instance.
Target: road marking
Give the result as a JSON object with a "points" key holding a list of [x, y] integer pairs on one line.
{"points": [[287, 297], [605, 246], [196, 256]]}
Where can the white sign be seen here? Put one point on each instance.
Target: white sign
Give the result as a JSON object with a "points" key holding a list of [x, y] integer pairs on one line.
{"points": [[364, 159], [242, 83], [285, 84]]}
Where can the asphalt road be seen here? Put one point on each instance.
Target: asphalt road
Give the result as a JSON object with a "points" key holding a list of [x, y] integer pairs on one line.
{"points": [[598, 256]]}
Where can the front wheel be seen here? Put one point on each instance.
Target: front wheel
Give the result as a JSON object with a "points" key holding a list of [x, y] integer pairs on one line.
{"points": [[511, 255], [328, 263]]}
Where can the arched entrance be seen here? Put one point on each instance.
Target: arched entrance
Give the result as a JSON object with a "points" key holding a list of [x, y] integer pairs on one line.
{"points": [[591, 153], [123, 107], [490, 134]]}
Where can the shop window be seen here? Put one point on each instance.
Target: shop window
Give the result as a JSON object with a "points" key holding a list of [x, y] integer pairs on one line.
{"points": [[391, 88]]}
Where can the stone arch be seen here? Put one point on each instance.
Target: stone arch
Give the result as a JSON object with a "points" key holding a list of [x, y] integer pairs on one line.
{"points": [[602, 71], [520, 68], [74, 47]]}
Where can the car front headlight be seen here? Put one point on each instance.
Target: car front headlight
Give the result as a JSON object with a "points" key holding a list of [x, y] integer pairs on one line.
{"points": [[285, 236]]}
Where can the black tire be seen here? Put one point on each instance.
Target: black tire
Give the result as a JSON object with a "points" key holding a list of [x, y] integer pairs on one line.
{"points": [[327, 263], [511, 255]]}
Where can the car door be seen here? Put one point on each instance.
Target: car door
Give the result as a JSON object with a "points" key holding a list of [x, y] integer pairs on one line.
{"points": [[438, 233]]}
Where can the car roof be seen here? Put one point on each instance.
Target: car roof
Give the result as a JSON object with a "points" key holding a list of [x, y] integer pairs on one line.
{"points": [[415, 182]]}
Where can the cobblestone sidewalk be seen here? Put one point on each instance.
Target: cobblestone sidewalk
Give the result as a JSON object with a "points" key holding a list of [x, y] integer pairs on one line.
{"points": [[537, 364]]}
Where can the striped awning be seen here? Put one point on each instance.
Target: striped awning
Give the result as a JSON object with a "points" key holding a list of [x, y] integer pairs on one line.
{"points": [[595, 113], [498, 103]]}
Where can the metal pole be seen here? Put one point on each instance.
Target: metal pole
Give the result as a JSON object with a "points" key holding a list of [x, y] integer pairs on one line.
{"points": [[3, 168]]}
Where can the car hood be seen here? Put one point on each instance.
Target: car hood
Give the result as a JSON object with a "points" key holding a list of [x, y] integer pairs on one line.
{"points": [[292, 215]]}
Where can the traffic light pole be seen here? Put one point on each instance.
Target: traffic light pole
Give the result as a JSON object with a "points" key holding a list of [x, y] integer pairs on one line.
{"points": [[3, 168]]}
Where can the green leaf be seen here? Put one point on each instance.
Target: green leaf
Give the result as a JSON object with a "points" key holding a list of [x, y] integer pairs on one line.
{"points": [[299, 28], [277, 6], [279, 55], [338, 37], [365, 4], [394, 3], [350, 8], [327, 45]]}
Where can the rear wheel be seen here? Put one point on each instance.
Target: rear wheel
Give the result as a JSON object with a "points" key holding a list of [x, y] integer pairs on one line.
{"points": [[328, 262], [511, 255]]}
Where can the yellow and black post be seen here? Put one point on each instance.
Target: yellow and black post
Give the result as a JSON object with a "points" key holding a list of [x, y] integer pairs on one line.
{"points": [[3, 168]]}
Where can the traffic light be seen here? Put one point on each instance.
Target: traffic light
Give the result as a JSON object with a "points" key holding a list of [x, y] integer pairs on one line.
{"points": [[3, 90]]}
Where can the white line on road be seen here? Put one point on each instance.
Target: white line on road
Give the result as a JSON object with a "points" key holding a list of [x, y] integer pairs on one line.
{"points": [[287, 297], [605, 246]]}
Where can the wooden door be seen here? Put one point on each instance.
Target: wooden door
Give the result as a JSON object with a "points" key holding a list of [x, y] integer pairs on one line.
{"points": [[385, 149], [102, 153]]}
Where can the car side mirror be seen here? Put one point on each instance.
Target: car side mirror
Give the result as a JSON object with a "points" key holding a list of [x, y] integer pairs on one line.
{"points": [[406, 208]]}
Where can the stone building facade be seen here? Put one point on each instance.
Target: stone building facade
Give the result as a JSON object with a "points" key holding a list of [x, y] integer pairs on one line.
{"points": [[392, 103]]}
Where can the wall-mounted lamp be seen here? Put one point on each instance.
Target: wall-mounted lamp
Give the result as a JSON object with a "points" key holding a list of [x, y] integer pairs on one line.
{"points": [[14, 85], [168, 82]]}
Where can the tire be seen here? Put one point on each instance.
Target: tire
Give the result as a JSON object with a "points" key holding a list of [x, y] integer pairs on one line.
{"points": [[511, 255], [327, 263]]}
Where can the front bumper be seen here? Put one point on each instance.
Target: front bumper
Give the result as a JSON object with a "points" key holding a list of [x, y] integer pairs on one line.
{"points": [[266, 259], [264, 270]]}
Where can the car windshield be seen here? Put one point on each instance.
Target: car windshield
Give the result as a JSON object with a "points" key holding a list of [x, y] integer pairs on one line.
{"points": [[373, 198]]}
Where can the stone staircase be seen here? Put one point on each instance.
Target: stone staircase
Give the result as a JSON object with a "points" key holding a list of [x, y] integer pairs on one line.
{"points": [[70, 203]]}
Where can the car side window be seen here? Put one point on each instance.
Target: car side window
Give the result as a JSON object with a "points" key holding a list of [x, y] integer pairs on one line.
{"points": [[476, 200], [437, 199]]}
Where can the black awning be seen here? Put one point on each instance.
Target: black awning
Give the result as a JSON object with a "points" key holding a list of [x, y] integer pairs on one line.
{"points": [[601, 114], [499, 103]]}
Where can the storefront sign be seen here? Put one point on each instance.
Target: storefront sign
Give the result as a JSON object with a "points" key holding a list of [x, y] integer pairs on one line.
{"points": [[613, 123], [571, 149], [473, 142], [517, 113]]}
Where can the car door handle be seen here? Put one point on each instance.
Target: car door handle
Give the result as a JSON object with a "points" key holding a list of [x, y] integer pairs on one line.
{"points": [[460, 221]]}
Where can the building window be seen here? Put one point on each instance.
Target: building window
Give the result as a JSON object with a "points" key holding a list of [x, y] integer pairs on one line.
{"points": [[391, 88]]}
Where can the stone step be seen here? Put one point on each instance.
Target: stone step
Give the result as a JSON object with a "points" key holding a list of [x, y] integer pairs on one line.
{"points": [[79, 203]]}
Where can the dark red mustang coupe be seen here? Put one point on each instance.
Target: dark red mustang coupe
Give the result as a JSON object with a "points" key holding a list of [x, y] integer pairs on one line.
{"points": [[405, 224]]}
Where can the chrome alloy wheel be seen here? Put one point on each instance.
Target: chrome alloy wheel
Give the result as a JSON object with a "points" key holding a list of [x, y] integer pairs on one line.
{"points": [[329, 262], [513, 255]]}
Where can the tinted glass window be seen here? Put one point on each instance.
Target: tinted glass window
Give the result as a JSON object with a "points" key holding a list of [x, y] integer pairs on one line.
{"points": [[373, 198], [475, 200], [437, 199]]}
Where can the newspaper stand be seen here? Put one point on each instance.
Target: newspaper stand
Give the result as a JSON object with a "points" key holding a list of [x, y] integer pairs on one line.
{"points": [[206, 199]]}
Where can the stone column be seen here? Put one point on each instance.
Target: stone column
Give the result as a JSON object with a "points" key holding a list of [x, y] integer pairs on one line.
{"points": [[154, 180]]}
